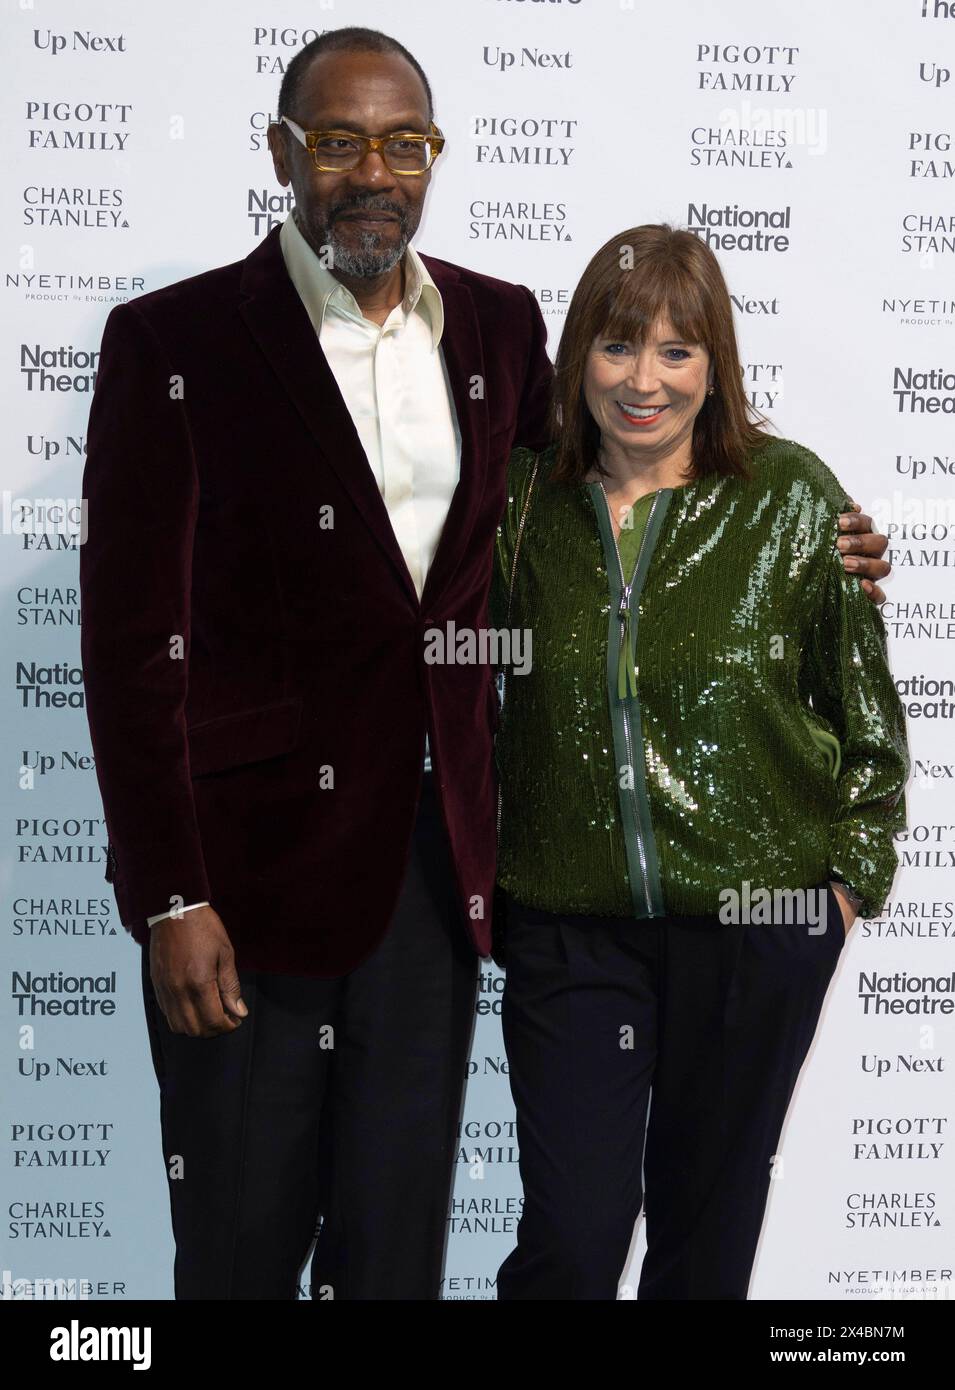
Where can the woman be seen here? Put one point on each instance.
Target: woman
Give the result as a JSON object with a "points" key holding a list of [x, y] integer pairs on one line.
{"points": [[701, 776]]}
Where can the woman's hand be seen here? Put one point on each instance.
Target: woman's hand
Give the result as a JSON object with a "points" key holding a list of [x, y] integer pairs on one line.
{"points": [[847, 904]]}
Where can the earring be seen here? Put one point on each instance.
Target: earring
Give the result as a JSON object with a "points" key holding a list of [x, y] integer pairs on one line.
{"points": [[711, 390]]}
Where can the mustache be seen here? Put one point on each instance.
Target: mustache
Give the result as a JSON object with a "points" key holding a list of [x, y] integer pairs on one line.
{"points": [[371, 203]]}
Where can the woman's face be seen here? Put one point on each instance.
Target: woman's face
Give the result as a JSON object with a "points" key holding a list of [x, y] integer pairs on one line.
{"points": [[645, 397]]}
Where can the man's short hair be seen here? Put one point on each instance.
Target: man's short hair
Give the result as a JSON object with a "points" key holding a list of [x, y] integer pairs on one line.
{"points": [[351, 40]]}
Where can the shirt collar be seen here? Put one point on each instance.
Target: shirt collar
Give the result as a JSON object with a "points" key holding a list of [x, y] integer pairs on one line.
{"points": [[318, 288]]}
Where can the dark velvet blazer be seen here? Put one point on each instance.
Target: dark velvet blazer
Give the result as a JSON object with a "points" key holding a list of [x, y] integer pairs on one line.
{"points": [[252, 643]]}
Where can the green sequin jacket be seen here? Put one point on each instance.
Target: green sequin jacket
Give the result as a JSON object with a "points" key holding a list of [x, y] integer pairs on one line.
{"points": [[755, 657]]}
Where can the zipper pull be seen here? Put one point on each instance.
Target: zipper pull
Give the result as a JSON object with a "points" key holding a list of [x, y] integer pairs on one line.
{"points": [[626, 669]]}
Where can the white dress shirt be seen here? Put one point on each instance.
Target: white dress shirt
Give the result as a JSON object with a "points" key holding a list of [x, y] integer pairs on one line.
{"points": [[395, 384]]}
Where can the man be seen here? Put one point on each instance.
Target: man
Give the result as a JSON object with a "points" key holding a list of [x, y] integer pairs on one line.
{"points": [[296, 465]]}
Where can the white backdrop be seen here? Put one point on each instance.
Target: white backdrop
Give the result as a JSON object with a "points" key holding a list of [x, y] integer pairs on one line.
{"points": [[136, 155]]}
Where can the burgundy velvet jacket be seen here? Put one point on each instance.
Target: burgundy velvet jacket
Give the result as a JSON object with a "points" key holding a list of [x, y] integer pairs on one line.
{"points": [[255, 678]]}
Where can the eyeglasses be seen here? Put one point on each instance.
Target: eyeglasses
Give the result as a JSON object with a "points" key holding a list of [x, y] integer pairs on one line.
{"points": [[337, 151]]}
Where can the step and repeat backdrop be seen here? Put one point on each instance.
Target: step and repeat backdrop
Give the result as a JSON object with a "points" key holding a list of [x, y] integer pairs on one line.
{"points": [[812, 146]]}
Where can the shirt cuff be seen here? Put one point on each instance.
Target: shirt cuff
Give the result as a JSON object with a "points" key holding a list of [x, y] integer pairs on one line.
{"points": [[161, 917]]}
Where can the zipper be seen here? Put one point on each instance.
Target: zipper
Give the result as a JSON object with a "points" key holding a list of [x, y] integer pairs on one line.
{"points": [[627, 703], [623, 614]]}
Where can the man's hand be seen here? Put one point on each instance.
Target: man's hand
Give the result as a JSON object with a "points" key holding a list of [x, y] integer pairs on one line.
{"points": [[846, 904], [862, 550], [192, 966]]}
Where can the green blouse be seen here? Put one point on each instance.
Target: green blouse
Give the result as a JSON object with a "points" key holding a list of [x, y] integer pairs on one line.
{"points": [[631, 534], [629, 539]]}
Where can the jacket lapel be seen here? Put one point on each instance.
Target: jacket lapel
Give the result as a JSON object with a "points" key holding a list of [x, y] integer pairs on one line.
{"points": [[464, 356]]}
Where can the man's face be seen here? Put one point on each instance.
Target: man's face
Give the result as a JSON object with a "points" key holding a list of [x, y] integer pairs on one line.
{"points": [[366, 215]]}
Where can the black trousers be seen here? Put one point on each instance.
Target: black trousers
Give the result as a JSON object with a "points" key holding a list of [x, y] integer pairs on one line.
{"points": [[705, 1023], [269, 1127]]}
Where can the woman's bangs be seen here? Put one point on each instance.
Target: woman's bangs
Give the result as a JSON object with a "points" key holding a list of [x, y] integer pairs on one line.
{"points": [[648, 293]]}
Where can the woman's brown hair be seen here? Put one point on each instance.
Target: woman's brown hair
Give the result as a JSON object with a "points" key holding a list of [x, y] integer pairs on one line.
{"points": [[635, 279]]}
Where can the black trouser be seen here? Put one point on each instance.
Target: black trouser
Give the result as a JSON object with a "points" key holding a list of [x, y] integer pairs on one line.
{"points": [[273, 1126], [709, 1024]]}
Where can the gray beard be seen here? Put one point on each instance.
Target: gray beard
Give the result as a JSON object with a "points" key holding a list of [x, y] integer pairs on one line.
{"points": [[367, 259]]}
